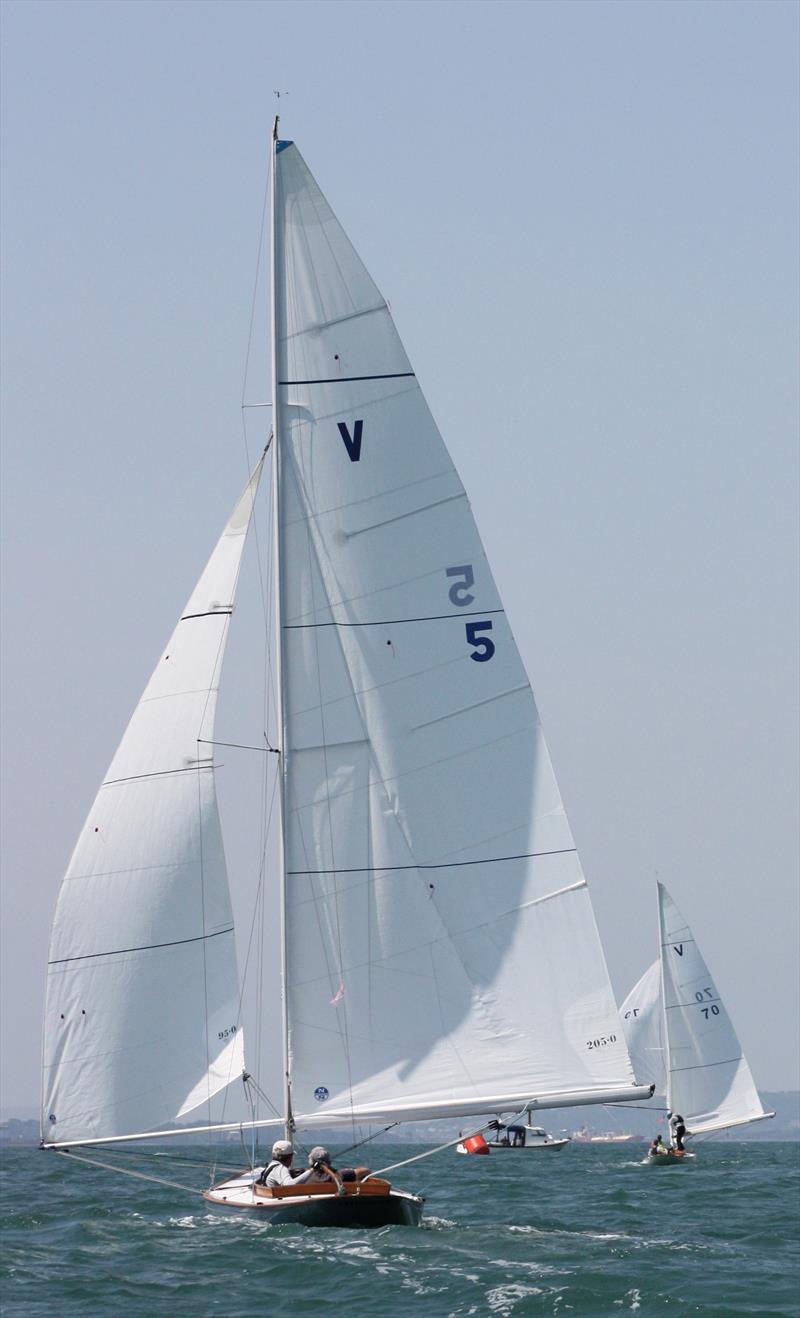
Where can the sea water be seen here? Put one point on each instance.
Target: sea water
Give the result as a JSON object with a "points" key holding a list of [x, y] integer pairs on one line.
{"points": [[590, 1230]]}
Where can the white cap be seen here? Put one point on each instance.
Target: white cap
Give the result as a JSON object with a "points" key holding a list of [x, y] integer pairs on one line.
{"points": [[282, 1148]]}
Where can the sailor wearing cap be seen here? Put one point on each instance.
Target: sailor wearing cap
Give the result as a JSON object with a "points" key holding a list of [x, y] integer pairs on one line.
{"points": [[319, 1160], [279, 1171]]}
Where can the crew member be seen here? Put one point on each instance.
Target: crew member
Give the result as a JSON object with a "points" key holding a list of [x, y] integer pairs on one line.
{"points": [[678, 1130], [319, 1161], [279, 1171]]}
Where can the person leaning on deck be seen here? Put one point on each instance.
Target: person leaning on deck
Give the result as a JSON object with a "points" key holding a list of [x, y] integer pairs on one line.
{"points": [[319, 1161], [279, 1171]]}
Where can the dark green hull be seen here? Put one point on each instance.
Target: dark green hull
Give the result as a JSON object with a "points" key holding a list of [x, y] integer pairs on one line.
{"points": [[366, 1211]]}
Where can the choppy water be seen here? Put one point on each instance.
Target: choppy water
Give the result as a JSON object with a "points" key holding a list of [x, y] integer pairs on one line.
{"points": [[587, 1231]]}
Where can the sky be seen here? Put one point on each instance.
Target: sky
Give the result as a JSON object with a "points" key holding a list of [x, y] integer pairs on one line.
{"points": [[584, 217]]}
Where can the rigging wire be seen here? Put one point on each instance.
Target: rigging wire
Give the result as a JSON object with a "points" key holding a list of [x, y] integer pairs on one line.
{"points": [[240, 746], [256, 279], [636, 1107], [269, 711], [341, 1017], [367, 1139], [179, 1160], [248, 464], [268, 694], [260, 1092], [128, 1171], [490, 1125]]}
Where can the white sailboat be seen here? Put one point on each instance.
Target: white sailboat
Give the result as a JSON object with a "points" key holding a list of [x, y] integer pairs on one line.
{"points": [[440, 956], [681, 1038]]}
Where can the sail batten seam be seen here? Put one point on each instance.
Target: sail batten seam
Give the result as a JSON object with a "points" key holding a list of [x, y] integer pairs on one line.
{"points": [[402, 517], [476, 704], [704, 1066], [393, 622], [146, 947], [337, 320], [208, 613], [445, 864], [159, 773], [353, 379]]}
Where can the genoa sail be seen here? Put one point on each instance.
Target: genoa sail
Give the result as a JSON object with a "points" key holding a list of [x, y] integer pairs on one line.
{"points": [[442, 955], [681, 1037], [643, 1021], [142, 1005]]}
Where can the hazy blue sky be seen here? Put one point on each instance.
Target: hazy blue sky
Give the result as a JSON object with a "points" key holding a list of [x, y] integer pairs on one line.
{"points": [[585, 219]]}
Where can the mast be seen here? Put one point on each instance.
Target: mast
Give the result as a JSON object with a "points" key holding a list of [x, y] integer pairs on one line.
{"points": [[664, 1033], [276, 449]]}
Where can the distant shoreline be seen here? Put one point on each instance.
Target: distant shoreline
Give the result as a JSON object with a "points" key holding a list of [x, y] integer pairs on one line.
{"points": [[23, 1132]]}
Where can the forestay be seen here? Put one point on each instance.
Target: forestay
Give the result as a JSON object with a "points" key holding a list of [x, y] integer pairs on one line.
{"points": [[442, 954], [709, 1081], [142, 1008], [642, 1016]]}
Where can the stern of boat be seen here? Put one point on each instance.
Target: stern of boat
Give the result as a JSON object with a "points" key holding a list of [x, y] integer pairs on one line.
{"points": [[363, 1204]]}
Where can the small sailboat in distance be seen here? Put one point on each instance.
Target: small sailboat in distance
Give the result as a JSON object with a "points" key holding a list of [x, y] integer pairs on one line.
{"points": [[440, 956], [682, 1040]]}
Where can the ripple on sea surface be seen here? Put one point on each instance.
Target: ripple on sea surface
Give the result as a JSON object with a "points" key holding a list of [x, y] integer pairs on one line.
{"points": [[590, 1231]]}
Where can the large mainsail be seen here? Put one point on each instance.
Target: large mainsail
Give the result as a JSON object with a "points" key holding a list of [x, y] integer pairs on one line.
{"points": [[441, 950], [142, 1009], [708, 1079]]}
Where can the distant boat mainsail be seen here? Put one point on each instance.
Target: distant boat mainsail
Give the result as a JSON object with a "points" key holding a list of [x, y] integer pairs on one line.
{"points": [[681, 1037]]}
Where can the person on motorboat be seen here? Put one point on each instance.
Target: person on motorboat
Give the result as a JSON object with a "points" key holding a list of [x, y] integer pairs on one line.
{"points": [[280, 1172], [678, 1130]]}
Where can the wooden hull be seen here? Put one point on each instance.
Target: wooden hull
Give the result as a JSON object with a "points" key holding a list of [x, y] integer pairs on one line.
{"points": [[353, 1209], [670, 1159]]}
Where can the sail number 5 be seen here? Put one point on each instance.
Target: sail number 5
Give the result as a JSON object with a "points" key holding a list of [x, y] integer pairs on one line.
{"points": [[460, 595], [457, 591], [484, 648]]}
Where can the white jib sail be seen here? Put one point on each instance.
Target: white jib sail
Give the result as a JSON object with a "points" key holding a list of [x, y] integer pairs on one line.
{"points": [[142, 1006], [643, 1022], [442, 953], [708, 1079]]}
